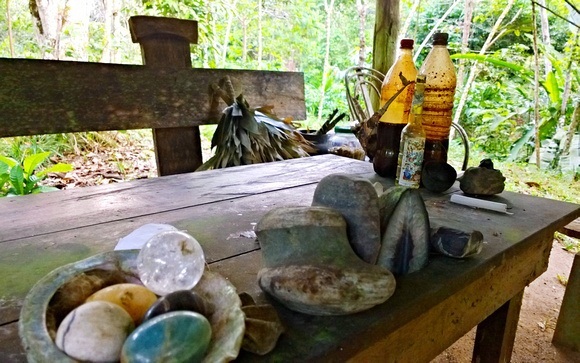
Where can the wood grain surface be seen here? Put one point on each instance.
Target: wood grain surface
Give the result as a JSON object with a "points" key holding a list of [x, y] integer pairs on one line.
{"points": [[429, 310], [98, 97]]}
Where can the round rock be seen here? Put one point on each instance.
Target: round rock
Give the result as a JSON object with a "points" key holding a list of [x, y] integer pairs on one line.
{"points": [[94, 331], [170, 261], [176, 337], [135, 299]]}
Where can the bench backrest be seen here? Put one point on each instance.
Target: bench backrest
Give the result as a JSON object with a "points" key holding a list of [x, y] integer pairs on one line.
{"points": [[166, 94]]}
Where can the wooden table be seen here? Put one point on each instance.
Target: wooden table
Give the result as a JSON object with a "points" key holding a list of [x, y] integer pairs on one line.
{"points": [[429, 311]]}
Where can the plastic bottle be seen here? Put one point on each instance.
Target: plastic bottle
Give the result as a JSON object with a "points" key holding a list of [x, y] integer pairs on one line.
{"points": [[439, 93], [396, 116], [410, 160]]}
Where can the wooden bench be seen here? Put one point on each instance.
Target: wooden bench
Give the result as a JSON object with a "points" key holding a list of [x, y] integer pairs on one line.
{"points": [[165, 94]]}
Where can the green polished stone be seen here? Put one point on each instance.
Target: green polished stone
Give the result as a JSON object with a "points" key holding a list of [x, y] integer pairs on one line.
{"points": [[175, 337]]}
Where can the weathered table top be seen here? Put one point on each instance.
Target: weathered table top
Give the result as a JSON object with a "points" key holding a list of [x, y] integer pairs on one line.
{"points": [[429, 310]]}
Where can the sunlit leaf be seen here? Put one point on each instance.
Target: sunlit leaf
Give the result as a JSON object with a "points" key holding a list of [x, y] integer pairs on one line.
{"points": [[31, 162], [552, 88]]}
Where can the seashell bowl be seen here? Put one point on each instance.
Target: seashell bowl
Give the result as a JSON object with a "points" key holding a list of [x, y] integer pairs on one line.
{"points": [[65, 288]]}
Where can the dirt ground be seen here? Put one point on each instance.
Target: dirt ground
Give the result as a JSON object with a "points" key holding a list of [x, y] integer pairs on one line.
{"points": [[538, 317], [541, 302]]}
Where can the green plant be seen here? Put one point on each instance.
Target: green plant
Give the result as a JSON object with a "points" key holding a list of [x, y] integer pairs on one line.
{"points": [[568, 243], [21, 178]]}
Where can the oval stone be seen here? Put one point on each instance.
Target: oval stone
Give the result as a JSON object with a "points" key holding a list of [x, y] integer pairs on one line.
{"points": [[94, 331], [135, 299], [177, 301], [176, 337], [357, 200], [170, 261]]}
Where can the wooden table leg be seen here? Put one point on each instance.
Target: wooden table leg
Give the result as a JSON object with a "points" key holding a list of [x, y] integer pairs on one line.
{"points": [[567, 332], [495, 335]]}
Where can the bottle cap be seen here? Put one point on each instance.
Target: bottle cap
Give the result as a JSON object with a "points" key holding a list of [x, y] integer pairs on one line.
{"points": [[407, 43], [440, 38], [421, 78]]}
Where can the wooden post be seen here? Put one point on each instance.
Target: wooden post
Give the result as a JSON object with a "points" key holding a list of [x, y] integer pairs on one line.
{"points": [[567, 332], [494, 339], [165, 43]]}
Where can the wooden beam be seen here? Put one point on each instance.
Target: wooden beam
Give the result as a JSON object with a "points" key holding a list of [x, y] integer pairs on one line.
{"points": [[45, 97], [165, 44]]}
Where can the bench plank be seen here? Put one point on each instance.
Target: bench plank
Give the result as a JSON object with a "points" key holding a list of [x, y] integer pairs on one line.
{"points": [[45, 97]]}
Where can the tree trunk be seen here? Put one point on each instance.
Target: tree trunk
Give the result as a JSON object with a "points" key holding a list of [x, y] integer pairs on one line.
{"points": [[467, 17], [361, 7], [244, 41], [568, 81], [536, 86], [545, 34], [50, 17], [385, 38], [9, 21], [385, 34], [227, 35], [329, 7], [111, 20], [260, 13], [77, 23]]}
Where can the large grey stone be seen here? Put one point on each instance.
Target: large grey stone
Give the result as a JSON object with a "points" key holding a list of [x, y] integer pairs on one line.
{"points": [[310, 267], [356, 199]]}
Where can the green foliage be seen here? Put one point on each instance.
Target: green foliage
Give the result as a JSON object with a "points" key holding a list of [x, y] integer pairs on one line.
{"points": [[21, 178]]}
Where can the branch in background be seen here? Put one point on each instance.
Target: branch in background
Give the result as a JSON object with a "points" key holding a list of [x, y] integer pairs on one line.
{"points": [[412, 11], [491, 38], [434, 29], [558, 15], [536, 86], [545, 37], [467, 20], [572, 6], [329, 8], [361, 7], [9, 20], [568, 81]]}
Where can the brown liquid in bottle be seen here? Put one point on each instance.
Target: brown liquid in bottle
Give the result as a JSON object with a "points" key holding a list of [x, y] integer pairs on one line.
{"points": [[388, 144], [395, 118], [439, 97]]}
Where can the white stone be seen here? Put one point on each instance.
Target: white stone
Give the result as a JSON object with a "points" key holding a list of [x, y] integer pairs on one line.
{"points": [[170, 261], [94, 331]]}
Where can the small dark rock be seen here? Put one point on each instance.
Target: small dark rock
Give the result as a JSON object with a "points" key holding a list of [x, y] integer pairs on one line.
{"points": [[486, 163], [438, 177], [177, 301]]}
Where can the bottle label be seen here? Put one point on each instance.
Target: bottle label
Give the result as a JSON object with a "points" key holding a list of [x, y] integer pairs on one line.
{"points": [[411, 162]]}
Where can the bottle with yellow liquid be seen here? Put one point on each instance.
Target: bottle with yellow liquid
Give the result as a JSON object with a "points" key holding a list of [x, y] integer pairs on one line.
{"points": [[410, 160], [395, 118], [439, 96]]}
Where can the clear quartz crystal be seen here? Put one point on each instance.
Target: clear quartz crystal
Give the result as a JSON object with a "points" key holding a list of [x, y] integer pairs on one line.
{"points": [[170, 261]]}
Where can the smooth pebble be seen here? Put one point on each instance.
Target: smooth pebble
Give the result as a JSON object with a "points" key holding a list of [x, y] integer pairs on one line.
{"points": [[176, 337], [135, 299], [94, 331]]}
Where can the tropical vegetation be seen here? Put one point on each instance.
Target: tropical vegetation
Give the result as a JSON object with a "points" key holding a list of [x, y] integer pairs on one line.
{"points": [[517, 60]]}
